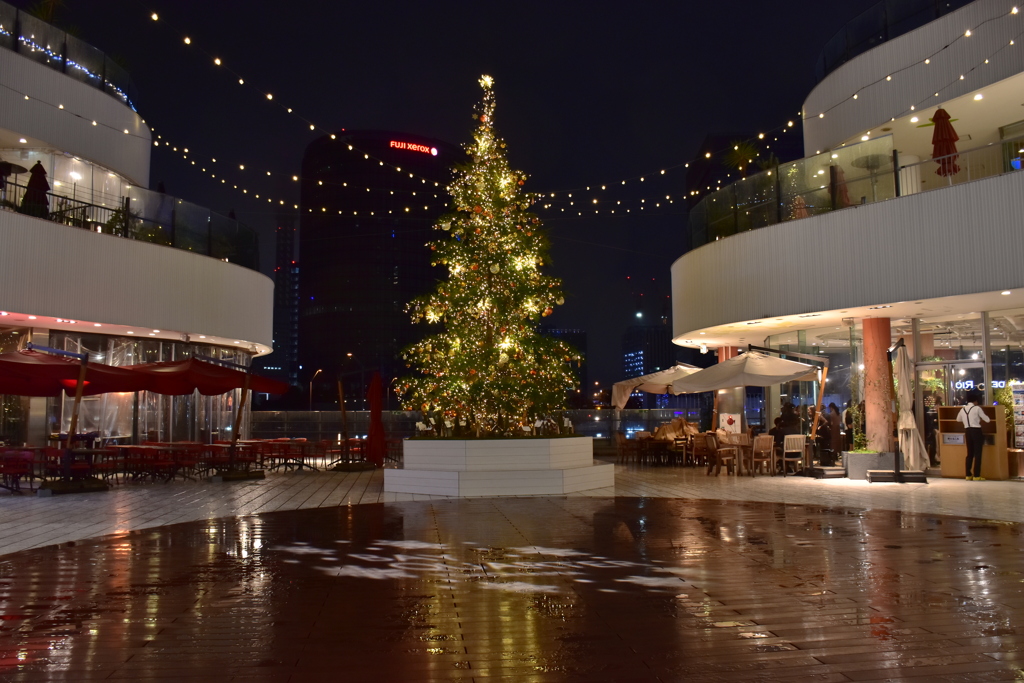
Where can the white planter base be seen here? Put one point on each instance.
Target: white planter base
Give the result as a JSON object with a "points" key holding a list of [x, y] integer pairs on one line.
{"points": [[495, 467]]}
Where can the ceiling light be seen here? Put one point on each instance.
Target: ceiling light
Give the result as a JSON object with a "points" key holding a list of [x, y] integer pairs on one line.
{"points": [[1006, 293], [978, 97], [914, 119]]}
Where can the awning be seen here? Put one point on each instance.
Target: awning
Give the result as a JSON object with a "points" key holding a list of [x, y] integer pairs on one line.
{"points": [[33, 373], [751, 369], [182, 377], [655, 383]]}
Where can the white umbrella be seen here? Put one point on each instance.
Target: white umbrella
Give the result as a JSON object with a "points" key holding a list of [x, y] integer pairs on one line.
{"points": [[655, 383], [751, 369], [911, 444]]}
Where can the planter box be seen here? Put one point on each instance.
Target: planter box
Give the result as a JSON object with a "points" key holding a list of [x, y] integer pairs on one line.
{"points": [[499, 467], [858, 464]]}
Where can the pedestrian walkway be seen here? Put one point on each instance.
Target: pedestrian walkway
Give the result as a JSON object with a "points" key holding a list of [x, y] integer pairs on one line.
{"points": [[30, 522], [523, 590]]}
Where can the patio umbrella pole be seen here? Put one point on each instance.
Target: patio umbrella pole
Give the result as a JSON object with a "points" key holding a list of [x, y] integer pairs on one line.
{"points": [[344, 420], [238, 421], [78, 401]]}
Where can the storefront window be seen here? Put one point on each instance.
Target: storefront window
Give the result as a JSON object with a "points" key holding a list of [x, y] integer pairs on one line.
{"points": [[13, 409], [160, 418]]}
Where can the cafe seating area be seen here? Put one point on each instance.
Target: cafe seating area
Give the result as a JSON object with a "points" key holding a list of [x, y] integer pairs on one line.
{"points": [[26, 468], [681, 444]]}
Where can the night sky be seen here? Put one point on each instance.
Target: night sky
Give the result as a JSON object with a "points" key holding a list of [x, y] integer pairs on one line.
{"points": [[588, 94]]}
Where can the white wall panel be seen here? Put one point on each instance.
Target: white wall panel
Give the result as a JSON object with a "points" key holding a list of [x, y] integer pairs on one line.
{"points": [[53, 270], [39, 118], [961, 240], [916, 85]]}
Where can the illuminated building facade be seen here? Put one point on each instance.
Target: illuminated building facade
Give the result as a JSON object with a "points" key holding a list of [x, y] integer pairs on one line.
{"points": [[877, 233], [100, 265], [364, 226]]}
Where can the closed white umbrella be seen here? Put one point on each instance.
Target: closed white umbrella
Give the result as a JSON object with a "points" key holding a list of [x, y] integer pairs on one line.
{"points": [[751, 369], [655, 383], [911, 444]]}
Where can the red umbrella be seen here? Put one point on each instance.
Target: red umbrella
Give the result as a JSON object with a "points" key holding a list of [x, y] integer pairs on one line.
{"points": [[31, 373], [182, 377], [944, 140], [376, 440]]}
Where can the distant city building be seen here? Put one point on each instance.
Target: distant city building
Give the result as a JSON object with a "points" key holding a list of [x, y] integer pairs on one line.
{"points": [[647, 349], [369, 200], [283, 364]]}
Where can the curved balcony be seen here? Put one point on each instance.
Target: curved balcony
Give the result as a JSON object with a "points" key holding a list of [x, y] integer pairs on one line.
{"points": [[146, 216], [57, 277], [879, 23], [852, 176], [927, 253], [33, 38]]}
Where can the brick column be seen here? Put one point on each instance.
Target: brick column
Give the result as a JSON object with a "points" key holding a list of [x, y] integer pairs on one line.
{"points": [[877, 372]]}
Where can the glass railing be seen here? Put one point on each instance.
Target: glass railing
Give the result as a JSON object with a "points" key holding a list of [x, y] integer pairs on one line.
{"points": [[34, 39], [864, 173], [146, 216], [879, 23]]}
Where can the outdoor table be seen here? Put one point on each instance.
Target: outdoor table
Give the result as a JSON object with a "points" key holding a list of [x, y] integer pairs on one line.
{"points": [[296, 454], [84, 455], [225, 455]]}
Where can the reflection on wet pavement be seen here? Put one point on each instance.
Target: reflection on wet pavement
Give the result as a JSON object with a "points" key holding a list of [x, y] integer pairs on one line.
{"points": [[547, 589]]}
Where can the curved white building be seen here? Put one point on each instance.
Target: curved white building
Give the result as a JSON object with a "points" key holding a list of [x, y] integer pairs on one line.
{"points": [[870, 238], [104, 265]]}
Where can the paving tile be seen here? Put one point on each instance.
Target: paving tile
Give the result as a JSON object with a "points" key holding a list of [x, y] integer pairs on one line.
{"points": [[672, 575]]}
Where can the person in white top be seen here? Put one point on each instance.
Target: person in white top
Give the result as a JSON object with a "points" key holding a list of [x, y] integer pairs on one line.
{"points": [[971, 416]]}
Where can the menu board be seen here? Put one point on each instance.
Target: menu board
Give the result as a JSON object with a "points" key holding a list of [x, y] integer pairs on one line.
{"points": [[1018, 415]]}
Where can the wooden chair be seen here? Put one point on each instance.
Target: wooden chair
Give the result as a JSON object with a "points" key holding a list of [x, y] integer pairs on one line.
{"points": [[719, 455], [762, 454], [699, 454], [741, 440], [793, 449], [626, 449]]}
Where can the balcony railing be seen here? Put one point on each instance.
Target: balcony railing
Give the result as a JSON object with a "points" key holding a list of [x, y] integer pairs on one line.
{"points": [[859, 174], [146, 216], [881, 22], [35, 39]]}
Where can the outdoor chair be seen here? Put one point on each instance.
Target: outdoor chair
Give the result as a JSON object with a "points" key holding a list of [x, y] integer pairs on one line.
{"points": [[626, 449], [719, 455], [762, 454], [14, 466], [741, 440], [793, 449]]}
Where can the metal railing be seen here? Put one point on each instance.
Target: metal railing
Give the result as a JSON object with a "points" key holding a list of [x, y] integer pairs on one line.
{"points": [[34, 39], [836, 180], [146, 216], [881, 22], [400, 424]]}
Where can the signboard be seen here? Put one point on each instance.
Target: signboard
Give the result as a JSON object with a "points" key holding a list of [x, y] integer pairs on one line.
{"points": [[953, 440], [413, 147], [1018, 415]]}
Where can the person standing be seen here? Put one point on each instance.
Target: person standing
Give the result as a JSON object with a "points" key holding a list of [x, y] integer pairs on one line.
{"points": [[971, 416]]}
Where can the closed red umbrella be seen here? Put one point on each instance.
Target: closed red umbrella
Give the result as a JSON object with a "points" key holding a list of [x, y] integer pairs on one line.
{"points": [[376, 440], [944, 140], [32, 373], [182, 377]]}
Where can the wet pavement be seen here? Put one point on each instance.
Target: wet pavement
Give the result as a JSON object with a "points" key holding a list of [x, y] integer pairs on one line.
{"points": [[517, 589]]}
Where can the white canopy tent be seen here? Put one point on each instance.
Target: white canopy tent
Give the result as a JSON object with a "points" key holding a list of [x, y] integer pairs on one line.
{"points": [[655, 383], [750, 369]]}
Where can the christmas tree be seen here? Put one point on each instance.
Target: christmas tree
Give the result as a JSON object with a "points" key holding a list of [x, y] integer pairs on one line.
{"points": [[489, 371]]}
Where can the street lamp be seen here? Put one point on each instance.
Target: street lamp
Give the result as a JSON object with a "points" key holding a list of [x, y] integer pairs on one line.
{"points": [[311, 388]]}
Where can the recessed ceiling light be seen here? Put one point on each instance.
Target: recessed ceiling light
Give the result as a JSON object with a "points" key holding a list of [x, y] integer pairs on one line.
{"points": [[1006, 293], [130, 332], [156, 331], [97, 325], [31, 317], [202, 336], [22, 140]]}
